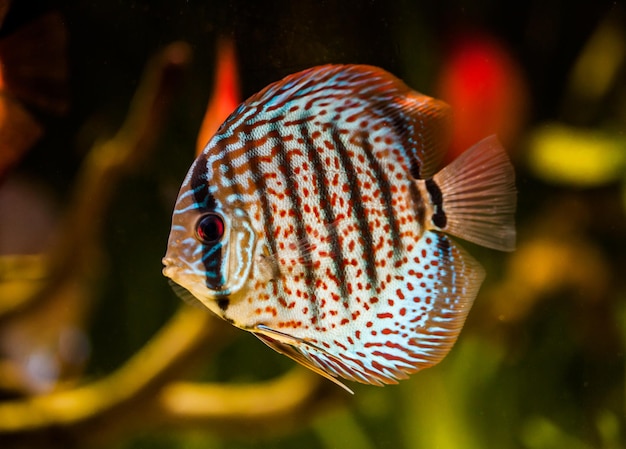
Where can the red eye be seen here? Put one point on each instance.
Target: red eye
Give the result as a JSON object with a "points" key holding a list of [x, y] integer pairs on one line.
{"points": [[210, 228]]}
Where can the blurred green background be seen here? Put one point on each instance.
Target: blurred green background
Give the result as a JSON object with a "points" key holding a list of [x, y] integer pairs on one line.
{"points": [[540, 362]]}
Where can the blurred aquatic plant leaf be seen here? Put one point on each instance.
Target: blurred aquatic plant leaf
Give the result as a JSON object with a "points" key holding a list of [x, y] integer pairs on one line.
{"points": [[340, 429], [441, 398], [266, 407], [20, 276], [540, 433], [543, 265], [225, 95], [144, 393], [609, 429], [624, 192], [599, 64], [554, 255], [576, 157]]}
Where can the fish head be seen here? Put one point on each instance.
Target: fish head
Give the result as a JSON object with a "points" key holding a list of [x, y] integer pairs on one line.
{"points": [[210, 247]]}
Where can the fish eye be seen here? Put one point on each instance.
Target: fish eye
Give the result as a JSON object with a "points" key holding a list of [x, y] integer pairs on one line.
{"points": [[210, 228]]}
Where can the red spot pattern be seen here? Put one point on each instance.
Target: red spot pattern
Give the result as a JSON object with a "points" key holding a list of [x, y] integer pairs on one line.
{"points": [[321, 261]]}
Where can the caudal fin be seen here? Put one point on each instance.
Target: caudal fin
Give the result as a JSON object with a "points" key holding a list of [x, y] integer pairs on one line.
{"points": [[479, 197]]}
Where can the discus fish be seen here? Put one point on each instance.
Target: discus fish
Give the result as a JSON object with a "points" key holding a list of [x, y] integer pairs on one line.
{"points": [[315, 220]]}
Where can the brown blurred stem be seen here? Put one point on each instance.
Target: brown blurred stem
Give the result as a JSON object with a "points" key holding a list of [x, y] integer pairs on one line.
{"points": [[139, 395], [105, 164], [146, 368], [265, 407]]}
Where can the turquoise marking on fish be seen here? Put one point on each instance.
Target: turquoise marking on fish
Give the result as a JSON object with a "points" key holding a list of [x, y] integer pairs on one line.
{"points": [[316, 220]]}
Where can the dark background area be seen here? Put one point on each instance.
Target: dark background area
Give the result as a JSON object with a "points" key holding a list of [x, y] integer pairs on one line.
{"points": [[553, 378]]}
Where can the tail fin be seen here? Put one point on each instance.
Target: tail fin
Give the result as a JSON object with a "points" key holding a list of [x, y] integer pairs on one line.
{"points": [[479, 197]]}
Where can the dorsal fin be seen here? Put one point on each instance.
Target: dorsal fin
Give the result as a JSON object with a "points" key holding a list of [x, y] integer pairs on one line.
{"points": [[427, 133], [421, 123]]}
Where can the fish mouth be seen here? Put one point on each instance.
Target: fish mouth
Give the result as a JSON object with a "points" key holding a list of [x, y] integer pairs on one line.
{"points": [[169, 267], [180, 282], [179, 274], [175, 271]]}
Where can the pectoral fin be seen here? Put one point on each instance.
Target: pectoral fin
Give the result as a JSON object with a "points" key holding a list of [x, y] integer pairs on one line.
{"points": [[290, 346]]}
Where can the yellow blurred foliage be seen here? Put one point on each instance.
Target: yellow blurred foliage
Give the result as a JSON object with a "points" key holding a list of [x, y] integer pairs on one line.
{"points": [[600, 61], [584, 158]]}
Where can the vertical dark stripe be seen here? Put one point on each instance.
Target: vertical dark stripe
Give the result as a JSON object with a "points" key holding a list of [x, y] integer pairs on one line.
{"points": [[223, 303], [439, 216], [403, 125], [444, 245], [261, 187], [279, 165], [211, 254], [359, 213], [230, 171], [414, 168], [200, 184], [418, 204], [212, 260], [446, 276], [329, 214], [385, 189], [301, 235]]}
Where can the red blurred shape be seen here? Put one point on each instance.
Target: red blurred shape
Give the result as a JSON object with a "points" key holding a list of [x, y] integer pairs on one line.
{"points": [[18, 132], [225, 97], [485, 87], [33, 72]]}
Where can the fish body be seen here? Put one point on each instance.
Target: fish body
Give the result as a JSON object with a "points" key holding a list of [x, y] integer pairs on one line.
{"points": [[315, 220]]}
